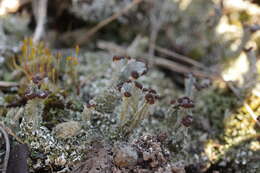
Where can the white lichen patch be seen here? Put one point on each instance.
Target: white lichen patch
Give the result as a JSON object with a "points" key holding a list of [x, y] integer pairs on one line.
{"points": [[55, 152]]}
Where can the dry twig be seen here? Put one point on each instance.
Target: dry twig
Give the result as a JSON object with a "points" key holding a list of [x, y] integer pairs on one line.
{"points": [[175, 55], [161, 62], [252, 114], [4, 84], [40, 12], [156, 18], [10, 132], [7, 148], [105, 22], [247, 33]]}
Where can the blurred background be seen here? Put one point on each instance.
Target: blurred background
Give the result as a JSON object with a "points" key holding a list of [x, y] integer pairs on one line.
{"points": [[192, 34]]}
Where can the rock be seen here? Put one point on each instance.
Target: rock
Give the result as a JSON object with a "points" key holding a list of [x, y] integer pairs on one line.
{"points": [[99, 159], [125, 156], [178, 170], [67, 129], [18, 159]]}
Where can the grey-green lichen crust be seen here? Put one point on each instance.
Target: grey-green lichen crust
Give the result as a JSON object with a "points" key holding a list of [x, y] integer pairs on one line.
{"points": [[58, 136]]}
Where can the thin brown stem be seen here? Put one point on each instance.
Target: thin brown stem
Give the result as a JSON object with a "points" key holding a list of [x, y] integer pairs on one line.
{"points": [[161, 62], [105, 22], [40, 13], [7, 148], [251, 113], [5, 84], [175, 55]]}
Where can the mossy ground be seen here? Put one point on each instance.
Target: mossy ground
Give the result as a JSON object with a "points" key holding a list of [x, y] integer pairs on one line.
{"points": [[223, 132], [80, 116]]}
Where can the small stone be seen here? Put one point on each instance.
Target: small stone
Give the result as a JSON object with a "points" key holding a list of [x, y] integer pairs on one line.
{"points": [[146, 156], [178, 170], [67, 129], [125, 156]]}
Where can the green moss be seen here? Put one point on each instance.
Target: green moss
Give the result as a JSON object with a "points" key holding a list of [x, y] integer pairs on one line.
{"points": [[106, 102], [75, 105], [214, 103], [244, 16], [54, 111], [10, 98], [54, 101], [196, 53], [257, 40], [3, 111]]}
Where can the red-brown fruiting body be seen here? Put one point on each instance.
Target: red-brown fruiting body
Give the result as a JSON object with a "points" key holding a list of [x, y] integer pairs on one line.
{"points": [[116, 58], [181, 100], [145, 89], [129, 81], [157, 97], [152, 91], [90, 105], [119, 86], [149, 98], [185, 102], [138, 85], [189, 105], [187, 120], [36, 79], [127, 94], [135, 75], [30, 96], [162, 136]]}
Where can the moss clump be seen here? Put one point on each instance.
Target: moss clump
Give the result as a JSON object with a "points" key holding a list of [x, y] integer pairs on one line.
{"points": [[75, 105], [214, 104], [237, 145], [44, 68], [106, 102]]}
